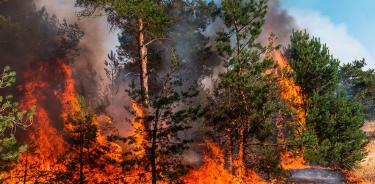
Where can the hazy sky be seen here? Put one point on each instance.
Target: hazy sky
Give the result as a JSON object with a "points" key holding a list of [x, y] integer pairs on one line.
{"points": [[347, 26]]}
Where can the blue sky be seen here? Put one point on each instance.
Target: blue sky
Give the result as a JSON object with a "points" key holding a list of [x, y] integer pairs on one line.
{"points": [[347, 26]]}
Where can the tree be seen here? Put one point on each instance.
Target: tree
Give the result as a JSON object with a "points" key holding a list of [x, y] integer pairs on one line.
{"points": [[11, 118], [170, 114], [360, 83], [315, 70], [113, 70], [333, 135], [89, 151], [247, 101], [337, 123], [143, 22]]}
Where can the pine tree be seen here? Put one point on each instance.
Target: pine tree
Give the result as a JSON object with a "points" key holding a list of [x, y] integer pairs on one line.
{"points": [[11, 118], [143, 22], [315, 70], [170, 113], [336, 121], [360, 83], [247, 102], [333, 135], [89, 152]]}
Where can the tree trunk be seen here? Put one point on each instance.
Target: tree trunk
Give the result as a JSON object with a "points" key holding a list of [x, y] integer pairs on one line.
{"points": [[81, 179], [26, 166], [232, 164], [153, 148], [143, 62], [241, 155]]}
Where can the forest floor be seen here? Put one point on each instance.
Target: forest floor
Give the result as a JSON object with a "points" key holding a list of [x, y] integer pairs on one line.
{"points": [[366, 169]]}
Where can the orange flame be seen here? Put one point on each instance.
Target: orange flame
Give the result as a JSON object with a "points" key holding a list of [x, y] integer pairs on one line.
{"points": [[213, 171], [46, 142], [138, 124], [292, 94]]}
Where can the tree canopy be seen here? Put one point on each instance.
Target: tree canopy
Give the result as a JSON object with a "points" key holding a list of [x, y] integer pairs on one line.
{"points": [[334, 120]]}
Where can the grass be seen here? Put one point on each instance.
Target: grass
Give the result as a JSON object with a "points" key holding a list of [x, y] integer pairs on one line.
{"points": [[366, 169]]}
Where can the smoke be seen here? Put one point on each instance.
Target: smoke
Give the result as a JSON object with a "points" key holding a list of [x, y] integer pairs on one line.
{"points": [[30, 37], [279, 22], [316, 175], [191, 39], [36, 34], [98, 40], [34, 44]]}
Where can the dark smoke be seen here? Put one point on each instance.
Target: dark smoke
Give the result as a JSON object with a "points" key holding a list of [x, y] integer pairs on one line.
{"points": [[279, 22], [33, 43], [32, 36], [39, 37], [97, 41]]}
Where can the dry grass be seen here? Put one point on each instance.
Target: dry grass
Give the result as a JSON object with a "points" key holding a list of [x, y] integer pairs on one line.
{"points": [[366, 169]]}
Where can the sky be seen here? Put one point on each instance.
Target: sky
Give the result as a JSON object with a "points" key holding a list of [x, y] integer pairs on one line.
{"points": [[346, 26]]}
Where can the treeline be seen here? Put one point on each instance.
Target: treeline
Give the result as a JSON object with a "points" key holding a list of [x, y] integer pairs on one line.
{"points": [[246, 112]]}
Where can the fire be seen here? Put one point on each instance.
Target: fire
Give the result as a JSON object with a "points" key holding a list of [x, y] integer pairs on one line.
{"points": [[47, 143], [292, 94], [138, 124], [44, 140], [352, 178], [69, 97], [55, 97], [213, 171]]}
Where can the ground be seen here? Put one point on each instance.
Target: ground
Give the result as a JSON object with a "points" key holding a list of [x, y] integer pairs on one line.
{"points": [[366, 169]]}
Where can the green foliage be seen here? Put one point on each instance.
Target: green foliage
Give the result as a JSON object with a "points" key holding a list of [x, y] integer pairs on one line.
{"points": [[333, 136], [7, 77], [360, 83], [125, 14], [337, 122], [314, 68], [247, 98], [11, 118]]}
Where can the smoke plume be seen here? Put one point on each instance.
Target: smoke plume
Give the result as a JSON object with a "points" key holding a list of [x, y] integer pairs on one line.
{"points": [[279, 22], [94, 46]]}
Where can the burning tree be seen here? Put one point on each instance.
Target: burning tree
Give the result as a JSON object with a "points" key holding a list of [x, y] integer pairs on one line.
{"points": [[257, 113], [11, 118], [333, 136], [91, 158], [158, 144], [247, 108]]}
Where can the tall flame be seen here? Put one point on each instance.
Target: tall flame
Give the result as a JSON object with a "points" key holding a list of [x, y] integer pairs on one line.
{"points": [[213, 170], [292, 94], [139, 126], [45, 139]]}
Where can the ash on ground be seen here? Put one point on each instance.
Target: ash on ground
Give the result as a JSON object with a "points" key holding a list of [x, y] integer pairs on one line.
{"points": [[316, 176]]}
